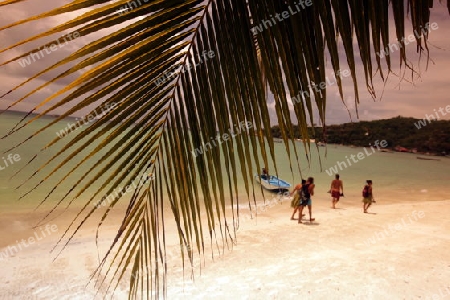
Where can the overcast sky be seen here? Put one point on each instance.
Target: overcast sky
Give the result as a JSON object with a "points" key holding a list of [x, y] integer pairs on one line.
{"points": [[430, 91], [427, 93]]}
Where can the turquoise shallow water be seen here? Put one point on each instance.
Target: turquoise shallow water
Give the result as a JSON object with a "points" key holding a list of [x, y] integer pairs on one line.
{"points": [[396, 176]]}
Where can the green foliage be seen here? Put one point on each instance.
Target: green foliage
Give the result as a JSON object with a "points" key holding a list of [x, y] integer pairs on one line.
{"points": [[398, 131]]}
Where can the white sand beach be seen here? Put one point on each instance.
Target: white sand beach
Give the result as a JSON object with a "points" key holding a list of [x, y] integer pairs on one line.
{"points": [[397, 251]]}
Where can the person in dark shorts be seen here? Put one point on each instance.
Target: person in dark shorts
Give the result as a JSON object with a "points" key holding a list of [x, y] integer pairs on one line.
{"points": [[367, 194], [308, 191]]}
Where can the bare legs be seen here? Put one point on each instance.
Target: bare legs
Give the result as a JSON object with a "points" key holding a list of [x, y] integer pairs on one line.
{"points": [[333, 203], [310, 213], [366, 206], [297, 208], [300, 211], [293, 214], [300, 214]]}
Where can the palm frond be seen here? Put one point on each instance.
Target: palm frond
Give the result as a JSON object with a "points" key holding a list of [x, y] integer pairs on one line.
{"points": [[227, 54]]}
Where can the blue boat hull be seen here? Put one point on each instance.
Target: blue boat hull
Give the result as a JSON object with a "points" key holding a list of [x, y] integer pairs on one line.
{"points": [[273, 183]]}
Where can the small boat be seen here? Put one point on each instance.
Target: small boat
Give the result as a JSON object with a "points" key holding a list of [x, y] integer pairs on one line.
{"points": [[426, 158], [386, 150], [272, 183], [401, 149]]}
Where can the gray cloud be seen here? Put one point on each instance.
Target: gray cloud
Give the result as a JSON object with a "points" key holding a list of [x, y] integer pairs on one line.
{"points": [[428, 92], [398, 97]]}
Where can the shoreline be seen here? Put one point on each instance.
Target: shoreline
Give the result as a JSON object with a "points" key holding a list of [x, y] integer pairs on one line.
{"points": [[384, 150]]}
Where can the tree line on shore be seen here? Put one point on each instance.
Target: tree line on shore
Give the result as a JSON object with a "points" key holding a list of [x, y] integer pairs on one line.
{"points": [[433, 138]]}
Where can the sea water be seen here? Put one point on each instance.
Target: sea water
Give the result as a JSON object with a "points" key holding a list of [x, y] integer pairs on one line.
{"points": [[396, 176]]}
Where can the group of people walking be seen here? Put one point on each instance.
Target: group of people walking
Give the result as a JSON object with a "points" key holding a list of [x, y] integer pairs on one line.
{"points": [[303, 191]]}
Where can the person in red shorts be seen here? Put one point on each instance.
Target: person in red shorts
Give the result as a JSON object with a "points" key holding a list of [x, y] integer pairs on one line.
{"points": [[337, 189]]}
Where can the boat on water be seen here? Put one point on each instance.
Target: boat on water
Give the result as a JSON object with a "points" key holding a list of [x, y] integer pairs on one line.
{"points": [[427, 158], [401, 149], [272, 183]]}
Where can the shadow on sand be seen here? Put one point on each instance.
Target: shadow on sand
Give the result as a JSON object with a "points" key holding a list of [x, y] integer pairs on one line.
{"points": [[313, 223]]}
